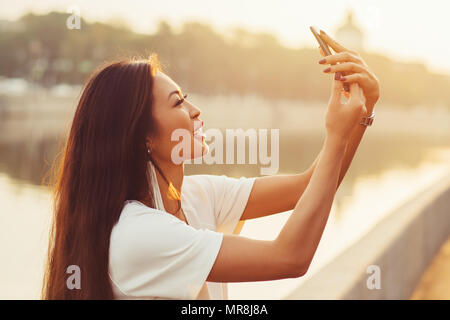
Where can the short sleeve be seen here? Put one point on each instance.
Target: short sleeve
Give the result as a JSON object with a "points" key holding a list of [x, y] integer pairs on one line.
{"points": [[157, 255], [230, 196]]}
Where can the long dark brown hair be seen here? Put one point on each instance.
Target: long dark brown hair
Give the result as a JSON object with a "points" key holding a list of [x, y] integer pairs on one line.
{"points": [[104, 163]]}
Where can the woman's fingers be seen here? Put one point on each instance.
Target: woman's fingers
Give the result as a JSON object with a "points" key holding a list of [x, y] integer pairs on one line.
{"points": [[337, 47], [354, 90], [363, 97], [356, 95], [321, 52], [337, 88], [345, 56], [353, 68], [345, 67], [346, 94], [355, 77], [360, 78]]}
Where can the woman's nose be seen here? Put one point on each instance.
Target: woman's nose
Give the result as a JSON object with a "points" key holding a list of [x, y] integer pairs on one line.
{"points": [[195, 112]]}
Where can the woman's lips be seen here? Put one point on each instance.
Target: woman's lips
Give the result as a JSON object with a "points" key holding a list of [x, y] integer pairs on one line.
{"points": [[198, 133]]}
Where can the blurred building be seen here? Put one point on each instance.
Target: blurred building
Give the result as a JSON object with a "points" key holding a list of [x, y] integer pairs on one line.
{"points": [[349, 34]]}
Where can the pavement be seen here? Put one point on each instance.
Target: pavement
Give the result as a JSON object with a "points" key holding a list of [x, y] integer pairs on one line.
{"points": [[435, 282]]}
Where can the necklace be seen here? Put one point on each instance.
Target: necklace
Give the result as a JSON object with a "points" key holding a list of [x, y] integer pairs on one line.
{"points": [[182, 216]]}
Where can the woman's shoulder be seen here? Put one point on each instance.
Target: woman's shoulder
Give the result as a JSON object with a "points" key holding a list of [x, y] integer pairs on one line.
{"points": [[141, 228], [211, 182], [135, 213], [138, 220], [203, 186], [204, 180], [136, 208]]}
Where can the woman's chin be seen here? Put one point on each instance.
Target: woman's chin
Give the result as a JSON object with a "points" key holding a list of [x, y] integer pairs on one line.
{"points": [[199, 145]]}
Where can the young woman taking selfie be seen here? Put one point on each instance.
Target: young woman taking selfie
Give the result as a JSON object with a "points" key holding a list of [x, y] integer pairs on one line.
{"points": [[137, 228]]}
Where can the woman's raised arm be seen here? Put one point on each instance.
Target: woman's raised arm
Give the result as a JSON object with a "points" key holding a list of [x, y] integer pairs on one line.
{"points": [[290, 254], [242, 259], [274, 194]]}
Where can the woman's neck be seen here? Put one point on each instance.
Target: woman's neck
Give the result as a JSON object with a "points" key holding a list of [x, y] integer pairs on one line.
{"points": [[174, 174]]}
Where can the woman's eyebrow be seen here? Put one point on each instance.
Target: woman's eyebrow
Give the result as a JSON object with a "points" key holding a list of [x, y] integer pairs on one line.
{"points": [[176, 91]]}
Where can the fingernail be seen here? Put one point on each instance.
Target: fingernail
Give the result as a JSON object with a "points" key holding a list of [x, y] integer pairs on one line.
{"points": [[343, 78], [337, 76], [321, 31], [322, 61], [327, 70]]}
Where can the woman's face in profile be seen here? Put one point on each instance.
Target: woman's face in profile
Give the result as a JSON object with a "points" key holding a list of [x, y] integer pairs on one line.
{"points": [[171, 112]]}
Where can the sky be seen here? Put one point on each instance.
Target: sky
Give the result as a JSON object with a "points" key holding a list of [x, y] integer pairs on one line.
{"points": [[407, 31]]}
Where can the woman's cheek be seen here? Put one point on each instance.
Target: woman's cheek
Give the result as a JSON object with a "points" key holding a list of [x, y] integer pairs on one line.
{"points": [[180, 146], [199, 148]]}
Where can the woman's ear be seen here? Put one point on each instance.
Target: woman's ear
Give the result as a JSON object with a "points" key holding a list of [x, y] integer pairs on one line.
{"points": [[148, 143]]}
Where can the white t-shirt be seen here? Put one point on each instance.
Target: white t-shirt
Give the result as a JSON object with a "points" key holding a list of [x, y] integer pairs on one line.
{"points": [[155, 255]]}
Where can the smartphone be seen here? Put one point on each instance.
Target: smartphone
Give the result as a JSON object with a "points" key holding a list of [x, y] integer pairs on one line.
{"points": [[327, 51]]}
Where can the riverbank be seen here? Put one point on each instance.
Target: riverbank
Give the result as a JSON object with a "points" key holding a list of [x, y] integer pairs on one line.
{"points": [[400, 248]]}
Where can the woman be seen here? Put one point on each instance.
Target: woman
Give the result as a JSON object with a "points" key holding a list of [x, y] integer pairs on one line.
{"points": [[136, 227]]}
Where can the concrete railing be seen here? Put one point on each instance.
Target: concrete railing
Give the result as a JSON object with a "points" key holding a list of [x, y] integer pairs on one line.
{"points": [[401, 245]]}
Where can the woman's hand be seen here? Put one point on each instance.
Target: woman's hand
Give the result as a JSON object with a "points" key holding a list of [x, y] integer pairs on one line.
{"points": [[341, 118], [353, 68]]}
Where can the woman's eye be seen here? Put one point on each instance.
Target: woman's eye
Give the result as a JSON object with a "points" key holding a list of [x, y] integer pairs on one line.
{"points": [[180, 101]]}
